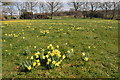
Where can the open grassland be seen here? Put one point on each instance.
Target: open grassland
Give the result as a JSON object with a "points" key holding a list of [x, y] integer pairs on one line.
{"points": [[98, 38]]}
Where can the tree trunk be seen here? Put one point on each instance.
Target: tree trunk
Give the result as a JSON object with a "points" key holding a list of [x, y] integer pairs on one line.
{"points": [[11, 15], [75, 16], [51, 15], [113, 12], [91, 13], [106, 13]]}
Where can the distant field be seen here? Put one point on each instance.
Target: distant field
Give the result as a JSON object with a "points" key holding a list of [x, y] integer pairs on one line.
{"points": [[98, 38]]}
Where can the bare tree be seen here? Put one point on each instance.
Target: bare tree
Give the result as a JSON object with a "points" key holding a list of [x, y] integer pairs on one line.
{"points": [[105, 7], [9, 8], [85, 9], [29, 6], [76, 6], [54, 7], [115, 5], [42, 7], [20, 6], [93, 6]]}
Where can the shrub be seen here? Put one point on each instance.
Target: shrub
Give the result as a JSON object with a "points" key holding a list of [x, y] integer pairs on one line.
{"points": [[27, 15], [3, 17], [41, 16]]}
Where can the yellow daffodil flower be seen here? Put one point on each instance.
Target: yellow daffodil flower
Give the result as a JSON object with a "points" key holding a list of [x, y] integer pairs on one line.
{"points": [[4, 40], [23, 37], [52, 48], [86, 59], [59, 55], [66, 43], [6, 34], [52, 54], [56, 52], [16, 36], [43, 57], [88, 46], [37, 60], [38, 64], [68, 51], [38, 53], [57, 64], [61, 61], [72, 50], [50, 45], [31, 57], [34, 63], [37, 56], [29, 68], [53, 62], [57, 46], [83, 54], [49, 52], [47, 56], [49, 60], [35, 47], [47, 63], [6, 50], [63, 56]]}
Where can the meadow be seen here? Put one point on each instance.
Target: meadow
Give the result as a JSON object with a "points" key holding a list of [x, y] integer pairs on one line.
{"points": [[97, 38]]}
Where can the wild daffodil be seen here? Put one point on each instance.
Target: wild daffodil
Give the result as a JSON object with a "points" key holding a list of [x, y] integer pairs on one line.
{"points": [[72, 50], [50, 45], [52, 54], [89, 47], [37, 56], [38, 53], [23, 37], [49, 60], [53, 62], [57, 64], [52, 48], [29, 68], [43, 57], [68, 51], [83, 54], [86, 59], [59, 55], [31, 58], [34, 63], [38, 64], [47, 63], [47, 56], [49, 52], [37, 60], [57, 46], [63, 57]]}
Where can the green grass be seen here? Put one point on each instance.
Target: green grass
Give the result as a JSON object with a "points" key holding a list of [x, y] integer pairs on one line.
{"points": [[101, 35]]}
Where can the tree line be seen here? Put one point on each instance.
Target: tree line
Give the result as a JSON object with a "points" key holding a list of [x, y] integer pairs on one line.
{"points": [[107, 10]]}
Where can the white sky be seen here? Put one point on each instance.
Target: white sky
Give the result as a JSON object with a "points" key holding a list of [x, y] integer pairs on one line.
{"points": [[66, 7], [61, 0]]}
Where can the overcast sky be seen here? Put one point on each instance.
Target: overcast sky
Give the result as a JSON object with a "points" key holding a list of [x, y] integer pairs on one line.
{"points": [[66, 7], [62, 0]]}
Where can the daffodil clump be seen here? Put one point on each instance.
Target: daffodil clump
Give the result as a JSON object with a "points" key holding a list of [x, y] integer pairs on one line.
{"points": [[44, 32], [54, 56], [51, 57], [32, 62]]}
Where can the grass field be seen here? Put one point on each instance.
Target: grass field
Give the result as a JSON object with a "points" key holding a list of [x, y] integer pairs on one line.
{"points": [[98, 38]]}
